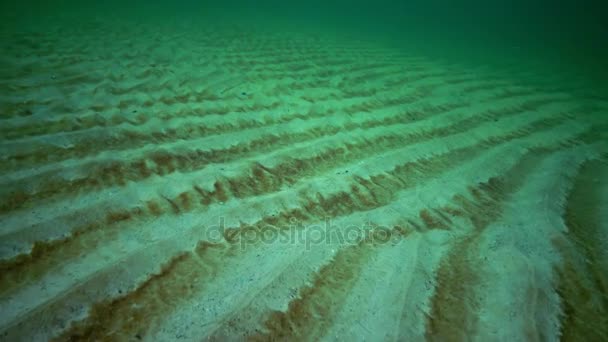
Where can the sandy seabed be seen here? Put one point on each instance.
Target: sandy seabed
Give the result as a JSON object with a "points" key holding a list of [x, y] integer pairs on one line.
{"points": [[152, 176]]}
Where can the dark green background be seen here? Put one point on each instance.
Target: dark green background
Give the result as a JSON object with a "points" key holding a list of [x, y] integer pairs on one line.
{"points": [[575, 32]]}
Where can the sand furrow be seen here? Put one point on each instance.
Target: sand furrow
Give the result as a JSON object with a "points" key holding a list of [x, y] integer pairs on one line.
{"points": [[364, 194]]}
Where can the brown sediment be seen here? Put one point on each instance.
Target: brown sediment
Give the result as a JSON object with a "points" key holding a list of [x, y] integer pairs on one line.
{"points": [[454, 305], [329, 289], [582, 281]]}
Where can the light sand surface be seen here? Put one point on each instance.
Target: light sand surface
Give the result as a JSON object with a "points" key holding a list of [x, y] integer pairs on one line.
{"points": [[152, 174]]}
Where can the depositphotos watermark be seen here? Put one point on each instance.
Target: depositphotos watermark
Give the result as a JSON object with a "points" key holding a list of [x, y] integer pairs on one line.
{"points": [[300, 234]]}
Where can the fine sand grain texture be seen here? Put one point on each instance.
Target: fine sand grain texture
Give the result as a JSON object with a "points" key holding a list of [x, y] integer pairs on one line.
{"points": [[175, 181]]}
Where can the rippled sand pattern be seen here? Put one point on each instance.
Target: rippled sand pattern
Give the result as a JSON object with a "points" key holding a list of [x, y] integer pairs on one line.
{"points": [[469, 199]]}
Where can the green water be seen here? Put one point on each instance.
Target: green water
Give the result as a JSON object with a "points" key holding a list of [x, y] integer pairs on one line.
{"points": [[570, 37], [573, 27]]}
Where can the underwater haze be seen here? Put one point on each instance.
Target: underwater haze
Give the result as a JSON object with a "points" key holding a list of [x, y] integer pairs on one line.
{"points": [[570, 31], [300, 171]]}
